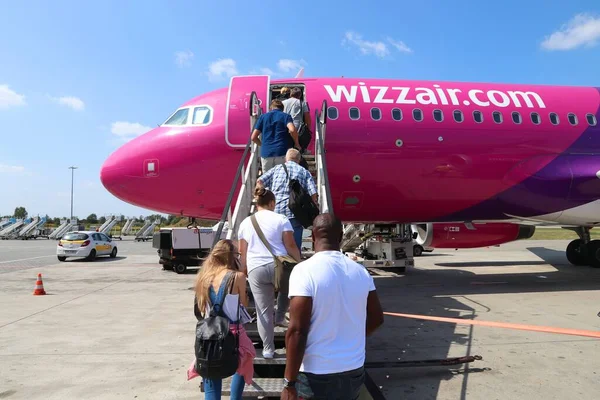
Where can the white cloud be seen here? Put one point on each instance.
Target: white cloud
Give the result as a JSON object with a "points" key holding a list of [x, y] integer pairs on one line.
{"points": [[184, 58], [400, 45], [379, 48], [287, 65], [222, 68], [128, 130], [583, 29], [11, 169], [10, 98], [70, 101]]}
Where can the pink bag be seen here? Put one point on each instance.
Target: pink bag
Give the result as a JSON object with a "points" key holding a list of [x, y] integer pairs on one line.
{"points": [[191, 372]]}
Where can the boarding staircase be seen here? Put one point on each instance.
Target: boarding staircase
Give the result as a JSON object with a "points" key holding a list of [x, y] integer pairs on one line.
{"points": [[26, 231], [109, 225], [248, 173], [5, 222], [127, 227], [64, 228], [147, 230], [11, 230], [106, 223], [63, 224], [268, 372], [140, 234]]}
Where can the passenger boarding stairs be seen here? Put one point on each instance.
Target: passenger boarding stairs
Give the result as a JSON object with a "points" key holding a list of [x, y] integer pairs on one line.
{"points": [[5, 222], [65, 227], [106, 223], [268, 372], [147, 231], [11, 230], [248, 173], [127, 227], [27, 231], [109, 225], [63, 224], [143, 229]]}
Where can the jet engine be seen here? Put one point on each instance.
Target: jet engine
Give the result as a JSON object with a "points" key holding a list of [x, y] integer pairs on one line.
{"points": [[465, 236]]}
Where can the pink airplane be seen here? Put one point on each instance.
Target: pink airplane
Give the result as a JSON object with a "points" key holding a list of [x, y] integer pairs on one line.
{"points": [[397, 152]]}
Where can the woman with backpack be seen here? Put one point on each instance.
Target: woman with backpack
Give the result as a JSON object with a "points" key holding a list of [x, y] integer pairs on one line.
{"points": [[258, 262], [218, 277]]}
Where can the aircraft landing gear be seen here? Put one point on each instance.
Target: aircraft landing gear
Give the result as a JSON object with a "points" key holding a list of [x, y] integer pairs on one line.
{"points": [[576, 252], [584, 251]]}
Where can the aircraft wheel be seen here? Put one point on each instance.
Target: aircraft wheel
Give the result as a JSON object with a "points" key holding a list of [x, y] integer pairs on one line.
{"points": [[417, 250], [577, 252], [593, 253]]}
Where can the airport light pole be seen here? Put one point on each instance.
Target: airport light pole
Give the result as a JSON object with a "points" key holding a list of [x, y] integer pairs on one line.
{"points": [[72, 168]]}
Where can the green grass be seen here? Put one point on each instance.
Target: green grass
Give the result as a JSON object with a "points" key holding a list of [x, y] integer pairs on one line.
{"points": [[559, 234]]}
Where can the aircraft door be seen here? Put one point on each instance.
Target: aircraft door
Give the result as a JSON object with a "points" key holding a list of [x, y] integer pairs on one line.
{"points": [[240, 104]]}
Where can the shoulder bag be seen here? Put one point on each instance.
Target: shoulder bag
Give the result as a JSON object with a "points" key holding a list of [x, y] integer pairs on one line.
{"points": [[283, 264]]}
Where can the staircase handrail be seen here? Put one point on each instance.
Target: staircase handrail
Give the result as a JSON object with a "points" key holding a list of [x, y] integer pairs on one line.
{"points": [[236, 179], [324, 191]]}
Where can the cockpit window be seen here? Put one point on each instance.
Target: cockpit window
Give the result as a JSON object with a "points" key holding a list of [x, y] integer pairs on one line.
{"points": [[179, 118], [202, 115]]}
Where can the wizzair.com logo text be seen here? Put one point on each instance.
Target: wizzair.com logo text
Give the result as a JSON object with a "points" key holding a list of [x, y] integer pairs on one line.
{"points": [[435, 96]]}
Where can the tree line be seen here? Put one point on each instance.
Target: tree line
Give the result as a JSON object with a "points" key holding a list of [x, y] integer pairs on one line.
{"points": [[92, 219]]}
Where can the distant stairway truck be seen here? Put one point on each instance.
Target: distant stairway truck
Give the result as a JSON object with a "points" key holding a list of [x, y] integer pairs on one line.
{"points": [[11, 230], [140, 234], [105, 224], [107, 228], [25, 232], [146, 234], [60, 232], [127, 227], [56, 231]]}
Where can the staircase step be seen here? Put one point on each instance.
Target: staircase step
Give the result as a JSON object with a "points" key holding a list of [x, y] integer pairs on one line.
{"points": [[278, 359], [271, 387]]}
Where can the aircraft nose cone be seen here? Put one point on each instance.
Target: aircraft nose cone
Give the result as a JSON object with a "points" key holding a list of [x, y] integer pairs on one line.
{"points": [[114, 174]]}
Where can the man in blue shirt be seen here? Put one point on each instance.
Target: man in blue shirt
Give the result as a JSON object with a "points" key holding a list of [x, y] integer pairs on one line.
{"points": [[278, 135]]}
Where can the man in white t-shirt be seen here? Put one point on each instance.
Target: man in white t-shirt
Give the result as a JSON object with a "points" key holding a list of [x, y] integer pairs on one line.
{"points": [[333, 307]]}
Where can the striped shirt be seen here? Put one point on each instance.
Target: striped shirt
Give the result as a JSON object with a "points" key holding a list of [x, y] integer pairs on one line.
{"points": [[277, 181]]}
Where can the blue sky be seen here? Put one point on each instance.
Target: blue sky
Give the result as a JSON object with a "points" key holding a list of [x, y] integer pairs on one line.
{"points": [[77, 79]]}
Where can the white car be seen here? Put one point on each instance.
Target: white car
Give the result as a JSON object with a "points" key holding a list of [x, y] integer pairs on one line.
{"points": [[88, 244]]}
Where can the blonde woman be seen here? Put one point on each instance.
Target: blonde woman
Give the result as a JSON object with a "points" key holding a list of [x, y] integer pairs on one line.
{"points": [[218, 277], [257, 262]]}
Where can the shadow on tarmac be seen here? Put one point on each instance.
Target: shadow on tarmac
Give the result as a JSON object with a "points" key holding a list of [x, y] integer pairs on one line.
{"points": [[428, 291]]}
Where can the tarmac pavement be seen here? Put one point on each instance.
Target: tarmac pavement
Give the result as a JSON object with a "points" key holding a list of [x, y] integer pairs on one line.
{"points": [[124, 329]]}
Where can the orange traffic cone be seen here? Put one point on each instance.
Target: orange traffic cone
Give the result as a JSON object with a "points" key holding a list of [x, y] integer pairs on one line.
{"points": [[39, 286]]}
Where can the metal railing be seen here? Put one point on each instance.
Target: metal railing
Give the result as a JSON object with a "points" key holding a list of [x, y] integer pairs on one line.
{"points": [[323, 189], [243, 205]]}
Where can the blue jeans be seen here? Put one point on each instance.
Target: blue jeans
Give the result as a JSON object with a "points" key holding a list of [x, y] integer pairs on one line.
{"points": [[298, 230], [212, 388]]}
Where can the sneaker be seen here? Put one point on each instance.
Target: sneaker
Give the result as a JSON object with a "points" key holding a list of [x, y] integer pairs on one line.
{"points": [[282, 324], [268, 355]]}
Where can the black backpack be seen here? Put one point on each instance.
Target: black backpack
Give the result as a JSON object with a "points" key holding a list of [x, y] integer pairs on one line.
{"points": [[300, 203], [216, 348]]}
